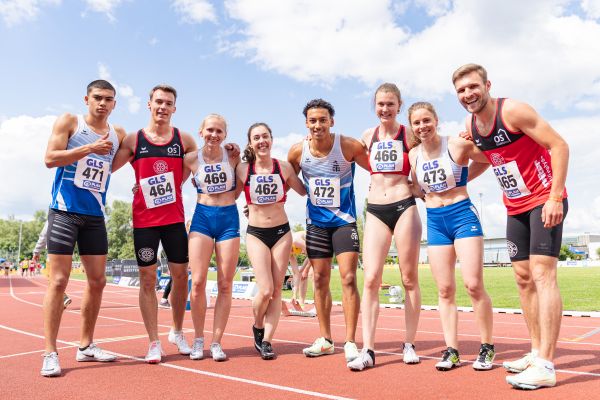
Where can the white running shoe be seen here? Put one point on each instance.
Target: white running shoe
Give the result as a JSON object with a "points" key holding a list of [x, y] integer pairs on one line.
{"points": [[350, 351], [364, 360], [50, 366], [217, 353], [197, 349], [534, 377], [320, 347], [409, 355], [177, 338], [450, 359], [94, 353], [164, 303], [155, 353], [522, 363], [485, 359]]}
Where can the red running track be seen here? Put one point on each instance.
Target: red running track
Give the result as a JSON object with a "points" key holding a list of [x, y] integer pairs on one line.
{"points": [[290, 376]]}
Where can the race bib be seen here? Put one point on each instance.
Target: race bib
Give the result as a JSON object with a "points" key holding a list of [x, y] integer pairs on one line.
{"points": [[510, 180], [158, 190], [324, 192], [266, 189], [92, 174], [213, 178], [436, 175], [386, 156]]}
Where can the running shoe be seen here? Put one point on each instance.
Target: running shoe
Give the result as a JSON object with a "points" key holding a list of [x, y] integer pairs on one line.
{"points": [[320, 347], [534, 377], [217, 353], [197, 349], [365, 359], [154, 355], [259, 334], [66, 301], [164, 303], [50, 366], [450, 359], [266, 351], [177, 338], [350, 351], [485, 359], [522, 363], [94, 353], [409, 355]]}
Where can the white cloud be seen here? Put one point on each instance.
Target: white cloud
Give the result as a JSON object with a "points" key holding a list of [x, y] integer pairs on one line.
{"points": [[123, 90], [195, 11], [435, 8], [14, 12], [366, 41], [106, 7], [591, 8]]}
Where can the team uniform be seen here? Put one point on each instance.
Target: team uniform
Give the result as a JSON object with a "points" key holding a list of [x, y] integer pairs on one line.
{"points": [[438, 175], [76, 212], [157, 205], [524, 172], [330, 206], [389, 156], [264, 189], [217, 222]]}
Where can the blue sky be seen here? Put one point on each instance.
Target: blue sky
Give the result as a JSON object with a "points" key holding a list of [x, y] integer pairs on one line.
{"points": [[263, 60]]}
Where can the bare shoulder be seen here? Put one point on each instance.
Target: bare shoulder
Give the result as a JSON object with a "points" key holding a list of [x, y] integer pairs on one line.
{"points": [[412, 154], [188, 142], [367, 135], [295, 152], [66, 122], [516, 113], [120, 131]]}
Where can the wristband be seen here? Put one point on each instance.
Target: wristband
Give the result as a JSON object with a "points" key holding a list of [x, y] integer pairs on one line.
{"points": [[558, 199]]}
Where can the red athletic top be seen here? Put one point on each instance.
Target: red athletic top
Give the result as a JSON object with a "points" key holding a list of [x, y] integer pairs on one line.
{"points": [[389, 156], [159, 173], [522, 167], [265, 188]]}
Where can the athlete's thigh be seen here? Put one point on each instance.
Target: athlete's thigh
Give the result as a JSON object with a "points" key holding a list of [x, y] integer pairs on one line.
{"points": [[175, 242], [278, 256], [470, 253], [545, 241], [518, 236], [94, 266], [260, 258], [63, 229], [377, 239], [227, 253], [200, 250], [442, 261], [92, 238], [145, 243], [407, 236]]}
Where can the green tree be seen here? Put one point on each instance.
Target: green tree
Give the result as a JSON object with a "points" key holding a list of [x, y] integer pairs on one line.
{"points": [[120, 231], [566, 253], [29, 231]]}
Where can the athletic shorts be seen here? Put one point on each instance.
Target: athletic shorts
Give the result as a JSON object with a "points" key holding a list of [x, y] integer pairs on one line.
{"points": [[456, 221], [325, 242], [216, 222], [526, 235], [389, 214], [173, 238], [269, 236], [67, 228]]}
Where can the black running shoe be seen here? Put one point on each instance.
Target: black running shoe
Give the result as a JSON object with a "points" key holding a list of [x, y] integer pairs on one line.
{"points": [[266, 351], [259, 334]]}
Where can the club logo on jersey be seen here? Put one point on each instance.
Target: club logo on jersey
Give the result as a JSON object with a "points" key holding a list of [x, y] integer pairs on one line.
{"points": [[501, 138], [512, 248], [174, 150], [336, 167], [160, 166], [146, 254], [497, 159]]}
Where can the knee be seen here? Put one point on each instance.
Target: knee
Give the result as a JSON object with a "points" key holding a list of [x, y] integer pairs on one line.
{"points": [[544, 276], [447, 292], [474, 289], [267, 292], [349, 280], [224, 287], [179, 276], [148, 282], [410, 282], [59, 283], [524, 280], [198, 286], [97, 283], [372, 282]]}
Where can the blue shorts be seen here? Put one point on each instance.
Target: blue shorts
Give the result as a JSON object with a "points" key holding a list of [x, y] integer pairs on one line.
{"points": [[219, 223], [456, 221]]}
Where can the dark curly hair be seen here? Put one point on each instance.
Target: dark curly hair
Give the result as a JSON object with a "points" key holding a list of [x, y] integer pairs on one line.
{"points": [[318, 103]]}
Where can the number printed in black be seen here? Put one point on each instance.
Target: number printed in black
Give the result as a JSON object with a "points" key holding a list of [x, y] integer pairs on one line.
{"points": [[323, 192], [161, 190], [92, 173], [266, 189], [215, 178]]}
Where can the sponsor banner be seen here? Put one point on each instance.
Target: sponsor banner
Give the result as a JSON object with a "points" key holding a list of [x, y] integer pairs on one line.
{"points": [[116, 280], [163, 282], [124, 281], [240, 289]]}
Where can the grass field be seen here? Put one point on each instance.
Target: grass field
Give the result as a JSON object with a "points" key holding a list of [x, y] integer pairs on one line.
{"points": [[580, 287]]}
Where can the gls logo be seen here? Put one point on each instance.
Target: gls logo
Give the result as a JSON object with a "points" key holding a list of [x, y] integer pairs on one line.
{"points": [[384, 145], [212, 168], [264, 179], [429, 165], [322, 182], [155, 180], [91, 162]]}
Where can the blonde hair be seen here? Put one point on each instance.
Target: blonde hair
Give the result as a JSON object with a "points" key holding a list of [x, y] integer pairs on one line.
{"points": [[215, 116], [467, 69], [417, 106]]}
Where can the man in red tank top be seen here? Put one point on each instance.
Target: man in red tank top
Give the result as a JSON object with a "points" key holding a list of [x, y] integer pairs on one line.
{"points": [[518, 142]]}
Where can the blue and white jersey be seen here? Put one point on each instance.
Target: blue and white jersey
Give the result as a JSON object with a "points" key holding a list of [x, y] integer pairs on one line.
{"points": [[329, 183], [440, 174], [81, 187]]}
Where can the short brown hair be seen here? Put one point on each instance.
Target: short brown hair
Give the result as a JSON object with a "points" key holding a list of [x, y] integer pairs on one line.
{"points": [[164, 88], [467, 69], [390, 88], [417, 106]]}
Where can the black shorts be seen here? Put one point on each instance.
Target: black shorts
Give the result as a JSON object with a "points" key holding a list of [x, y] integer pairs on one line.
{"points": [[526, 235], [389, 214], [67, 228], [173, 238], [324, 242], [269, 236]]}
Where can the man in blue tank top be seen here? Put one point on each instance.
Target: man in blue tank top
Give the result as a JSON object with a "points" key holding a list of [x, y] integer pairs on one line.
{"points": [[327, 163], [82, 149]]}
